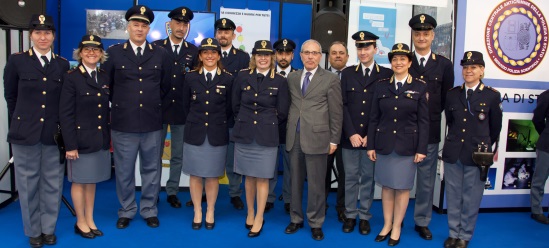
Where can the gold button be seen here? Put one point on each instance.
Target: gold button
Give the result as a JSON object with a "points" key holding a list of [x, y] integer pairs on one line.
{"points": [[363, 102], [140, 105], [396, 97], [395, 120], [175, 62], [99, 117], [140, 92], [464, 119], [43, 106], [43, 92], [173, 100], [206, 124], [98, 94], [207, 102], [353, 89], [99, 105], [207, 92], [123, 67], [365, 90], [99, 127], [206, 113], [140, 80], [421, 77], [361, 125], [394, 131], [463, 130], [362, 113], [255, 103], [396, 108], [78, 127], [255, 94], [462, 140], [87, 93], [174, 76], [465, 110], [140, 68], [173, 88], [255, 112], [45, 79], [42, 119], [255, 122]]}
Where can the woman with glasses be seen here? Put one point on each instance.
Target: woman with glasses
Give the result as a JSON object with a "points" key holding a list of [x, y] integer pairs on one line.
{"points": [[84, 115]]}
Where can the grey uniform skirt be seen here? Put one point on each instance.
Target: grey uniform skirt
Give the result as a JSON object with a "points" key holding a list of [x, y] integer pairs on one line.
{"points": [[90, 167], [255, 160], [395, 171], [204, 160]]}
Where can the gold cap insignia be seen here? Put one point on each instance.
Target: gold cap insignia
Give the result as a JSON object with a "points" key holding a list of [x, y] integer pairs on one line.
{"points": [[223, 22], [42, 18], [361, 35], [183, 12], [422, 19], [210, 41], [469, 55], [91, 37], [399, 46], [143, 9], [263, 44], [285, 42]]}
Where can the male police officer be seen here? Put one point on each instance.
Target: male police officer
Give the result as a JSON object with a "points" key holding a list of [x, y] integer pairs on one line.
{"points": [[438, 72], [233, 60], [140, 75], [183, 57]]}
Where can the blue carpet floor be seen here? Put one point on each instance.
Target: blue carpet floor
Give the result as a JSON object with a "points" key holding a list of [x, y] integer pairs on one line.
{"points": [[493, 229]]}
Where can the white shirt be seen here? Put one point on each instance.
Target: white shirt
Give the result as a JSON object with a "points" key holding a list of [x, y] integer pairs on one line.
{"points": [[179, 45], [263, 73], [212, 72], [134, 47], [426, 57], [473, 88], [371, 67], [89, 70], [403, 81], [48, 55], [287, 70], [227, 51], [310, 77]]}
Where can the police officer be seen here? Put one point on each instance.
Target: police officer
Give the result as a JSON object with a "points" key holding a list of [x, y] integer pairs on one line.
{"points": [[84, 116], [438, 72], [140, 75], [541, 115], [233, 61], [358, 86], [284, 54], [473, 114], [32, 85], [183, 57]]}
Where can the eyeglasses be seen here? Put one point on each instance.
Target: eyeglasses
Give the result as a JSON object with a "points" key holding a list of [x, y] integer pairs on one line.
{"points": [[90, 49], [307, 53]]}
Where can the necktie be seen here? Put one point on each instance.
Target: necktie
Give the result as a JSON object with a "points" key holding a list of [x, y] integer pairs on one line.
{"points": [[208, 78], [367, 73], [175, 49], [94, 76], [139, 54], [338, 72], [46, 61], [422, 63], [260, 78], [283, 73], [469, 94], [224, 54], [306, 82], [399, 84]]}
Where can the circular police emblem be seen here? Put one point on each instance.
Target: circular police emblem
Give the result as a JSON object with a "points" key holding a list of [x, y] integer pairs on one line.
{"points": [[481, 116], [516, 36]]}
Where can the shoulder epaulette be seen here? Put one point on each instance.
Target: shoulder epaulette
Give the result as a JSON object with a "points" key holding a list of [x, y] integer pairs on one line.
{"points": [[72, 70], [194, 70], [440, 56], [384, 79], [457, 87], [421, 80], [60, 57], [82, 69], [494, 90], [225, 71], [239, 50], [245, 69], [113, 45], [18, 53]]}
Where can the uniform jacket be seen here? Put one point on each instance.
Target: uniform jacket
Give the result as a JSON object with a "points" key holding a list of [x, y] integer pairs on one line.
{"points": [[32, 95], [259, 108], [137, 87], [236, 60], [84, 111], [186, 60], [399, 122], [319, 111], [541, 115], [439, 75], [208, 107], [357, 100], [467, 130], [282, 125]]}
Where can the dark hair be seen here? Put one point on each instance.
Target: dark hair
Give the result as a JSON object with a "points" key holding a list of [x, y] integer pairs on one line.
{"points": [[201, 64], [340, 43]]}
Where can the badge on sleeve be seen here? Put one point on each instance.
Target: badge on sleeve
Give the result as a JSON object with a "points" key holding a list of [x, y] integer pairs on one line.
{"points": [[481, 116]]}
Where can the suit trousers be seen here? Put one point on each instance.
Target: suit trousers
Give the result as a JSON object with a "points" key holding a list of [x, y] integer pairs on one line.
{"points": [[425, 185], [464, 191], [282, 154], [339, 165], [126, 146], [234, 179], [538, 181], [359, 183], [176, 158], [314, 167], [39, 180]]}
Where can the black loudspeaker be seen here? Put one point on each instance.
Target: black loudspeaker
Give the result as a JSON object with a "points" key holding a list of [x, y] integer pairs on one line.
{"points": [[19, 12], [330, 21]]}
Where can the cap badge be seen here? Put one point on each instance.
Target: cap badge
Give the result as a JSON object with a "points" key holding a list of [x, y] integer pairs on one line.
{"points": [[469, 54], [285, 42], [42, 18], [263, 44], [183, 12], [91, 37], [223, 22], [209, 41], [361, 35], [399, 46], [143, 9], [422, 19]]}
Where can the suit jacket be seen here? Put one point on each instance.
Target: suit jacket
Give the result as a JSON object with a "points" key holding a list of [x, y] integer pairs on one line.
{"points": [[186, 60], [84, 112], [32, 95], [282, 125], [467, 130], [137, 87], [259, 108], [439, 75], [399, 121], [541, 115], [208, 107], [357, 100], [319, 111]]}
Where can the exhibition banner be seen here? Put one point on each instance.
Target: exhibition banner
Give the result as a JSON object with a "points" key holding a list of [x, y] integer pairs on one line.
{"points": [[250, 26]]}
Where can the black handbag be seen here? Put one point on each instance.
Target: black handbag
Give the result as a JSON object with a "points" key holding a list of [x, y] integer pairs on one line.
{"points": [[483, 160], [58, 138]]}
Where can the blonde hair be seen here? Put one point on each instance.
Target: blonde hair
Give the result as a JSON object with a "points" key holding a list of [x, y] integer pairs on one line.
{"points": [[253, 66]]}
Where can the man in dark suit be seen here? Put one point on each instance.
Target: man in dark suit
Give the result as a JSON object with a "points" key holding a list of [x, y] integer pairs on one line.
{"points": [[140, 75], [183, 57], [358, 85], [541, 115], [284, 55], [438, 72], [233, 60], [32, 86], [314, 131]]}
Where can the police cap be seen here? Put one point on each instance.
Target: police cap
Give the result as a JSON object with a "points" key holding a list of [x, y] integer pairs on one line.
{"points": [[183, 14], [472, 58], [262, 47], [400, 49], [91, 41], [422, 22], [284, 45], [364, 39], [209, 44], [140, 13], [41, 22], [225, 24]]}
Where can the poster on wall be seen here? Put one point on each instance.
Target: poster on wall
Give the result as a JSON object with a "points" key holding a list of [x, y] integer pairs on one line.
{"points": [[444, 32], [200, 27], [250, 26], [381, 22], [107, 24]]}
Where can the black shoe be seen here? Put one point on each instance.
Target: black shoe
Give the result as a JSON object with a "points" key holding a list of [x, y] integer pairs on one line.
{"points": [[364, 227], [269, 206], [341, 215], [87, 235], [393, 242], [540, 218], [317, 234], [461, 243], [256, 234], [450, 242], [209, 226], [349, 225], [424, 232], [122, 222], [49, 239], [174, 202], [293, 227], [197, 226], [36, 242], [237, 202], [153, 222], [97, 232], [287, 207], [380, 238]]}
